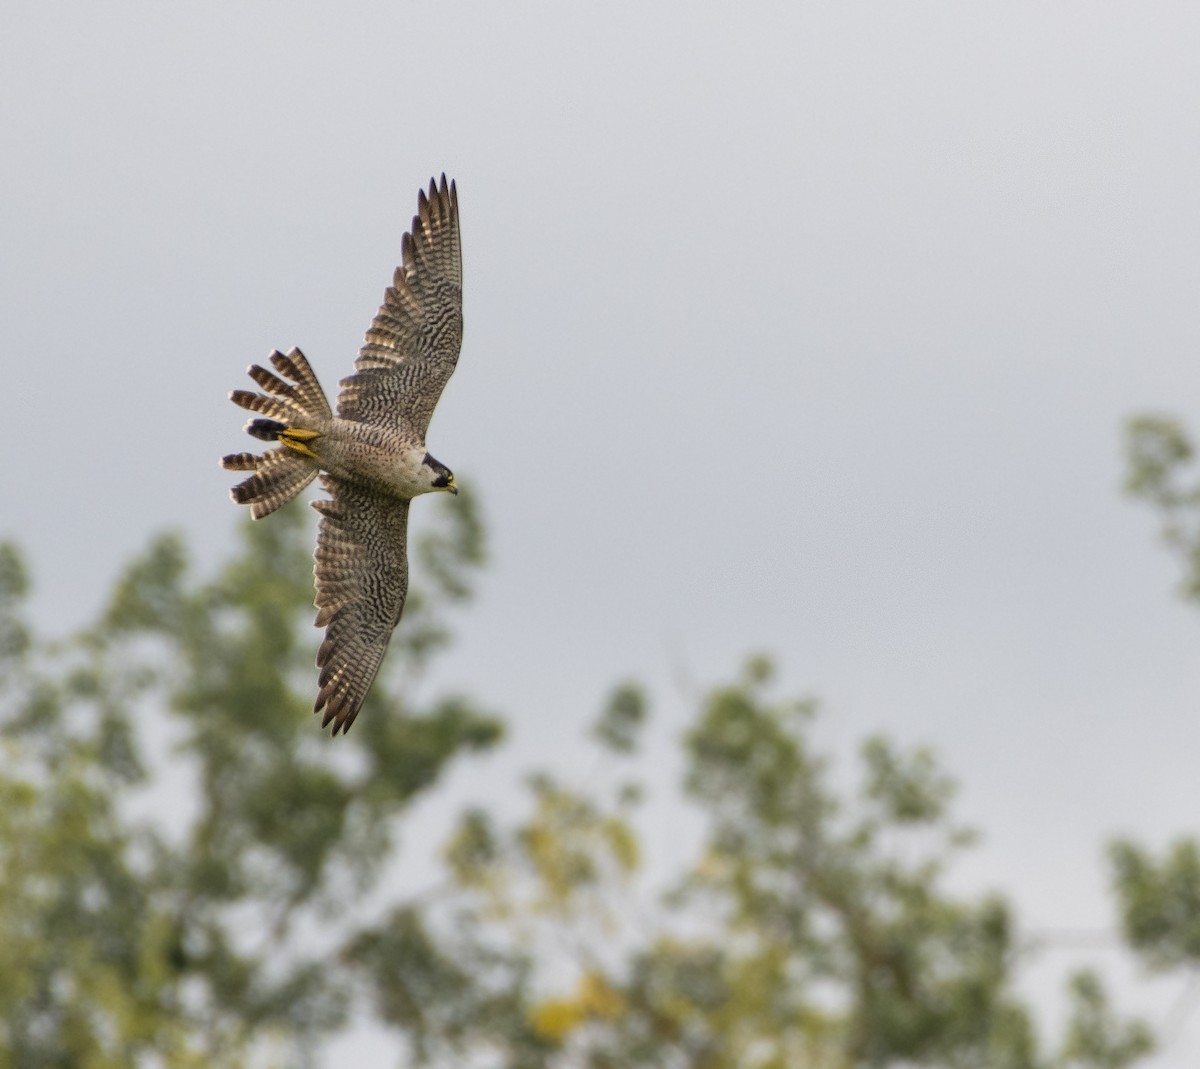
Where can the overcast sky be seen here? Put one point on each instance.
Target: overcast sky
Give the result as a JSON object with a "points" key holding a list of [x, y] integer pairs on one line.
{"points": [[806, 328]]}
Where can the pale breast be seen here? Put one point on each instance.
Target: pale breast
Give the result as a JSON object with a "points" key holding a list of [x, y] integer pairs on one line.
{"points": [[366, 453]]}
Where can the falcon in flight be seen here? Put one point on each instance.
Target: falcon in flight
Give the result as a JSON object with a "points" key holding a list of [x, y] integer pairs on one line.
{"points": [[371, 455]]}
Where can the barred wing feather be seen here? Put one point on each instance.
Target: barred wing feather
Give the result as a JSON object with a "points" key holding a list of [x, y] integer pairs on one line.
{"points": [[412, 346], [361, 570]]}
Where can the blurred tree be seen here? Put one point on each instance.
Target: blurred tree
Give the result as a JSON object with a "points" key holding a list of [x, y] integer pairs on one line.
{"points": [[812, 930], [1162, 472], [245, 927], [1159, 898], [222, 936]]}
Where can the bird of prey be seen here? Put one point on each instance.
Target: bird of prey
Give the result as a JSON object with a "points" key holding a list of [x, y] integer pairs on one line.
{"points": [[371, 455]]}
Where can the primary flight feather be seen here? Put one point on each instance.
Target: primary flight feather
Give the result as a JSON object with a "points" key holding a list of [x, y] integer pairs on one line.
{"points": [[371, 455]]}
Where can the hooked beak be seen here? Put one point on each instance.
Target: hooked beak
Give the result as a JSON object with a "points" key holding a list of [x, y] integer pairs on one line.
{"points": [[452, 489]]}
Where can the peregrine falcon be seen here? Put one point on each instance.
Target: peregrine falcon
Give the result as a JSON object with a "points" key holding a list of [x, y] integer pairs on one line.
{"points": [[371, 455]]}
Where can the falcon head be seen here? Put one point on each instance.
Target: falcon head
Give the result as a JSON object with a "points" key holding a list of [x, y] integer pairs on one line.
{"points": [[440, 477]]}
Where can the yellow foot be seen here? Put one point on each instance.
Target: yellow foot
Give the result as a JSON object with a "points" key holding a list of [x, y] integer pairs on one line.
{"points": [[297, 438]]}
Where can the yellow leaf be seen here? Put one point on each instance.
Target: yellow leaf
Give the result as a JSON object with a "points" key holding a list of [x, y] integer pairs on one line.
{"points": [[556, 1018]]}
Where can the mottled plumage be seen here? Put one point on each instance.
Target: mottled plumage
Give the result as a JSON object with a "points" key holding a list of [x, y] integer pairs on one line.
{"points": [[371, 455]]}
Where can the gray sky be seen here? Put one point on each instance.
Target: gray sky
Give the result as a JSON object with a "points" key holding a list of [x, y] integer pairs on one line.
{"points": [[864, 290]]}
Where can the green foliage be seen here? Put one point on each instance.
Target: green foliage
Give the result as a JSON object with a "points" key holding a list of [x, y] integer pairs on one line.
{"points": [[448, 994], [811, 930], [826, 896], [14, 586], [1094, 1038], [622, 719], [1160, 901], [125, 936], [192, 875], [1161, 471]]}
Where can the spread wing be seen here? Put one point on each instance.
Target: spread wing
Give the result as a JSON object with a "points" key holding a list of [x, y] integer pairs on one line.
{"points": [[411, 349], [362, 578]]}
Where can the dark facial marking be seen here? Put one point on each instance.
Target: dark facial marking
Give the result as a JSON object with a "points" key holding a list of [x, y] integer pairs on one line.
{"points": [[443, 473]]}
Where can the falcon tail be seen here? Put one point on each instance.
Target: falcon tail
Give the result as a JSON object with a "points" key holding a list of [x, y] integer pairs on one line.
{"points": [[293, 410]]}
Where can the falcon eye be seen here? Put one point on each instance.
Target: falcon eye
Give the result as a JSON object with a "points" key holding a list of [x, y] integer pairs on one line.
{"points": [[443, 480]]}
